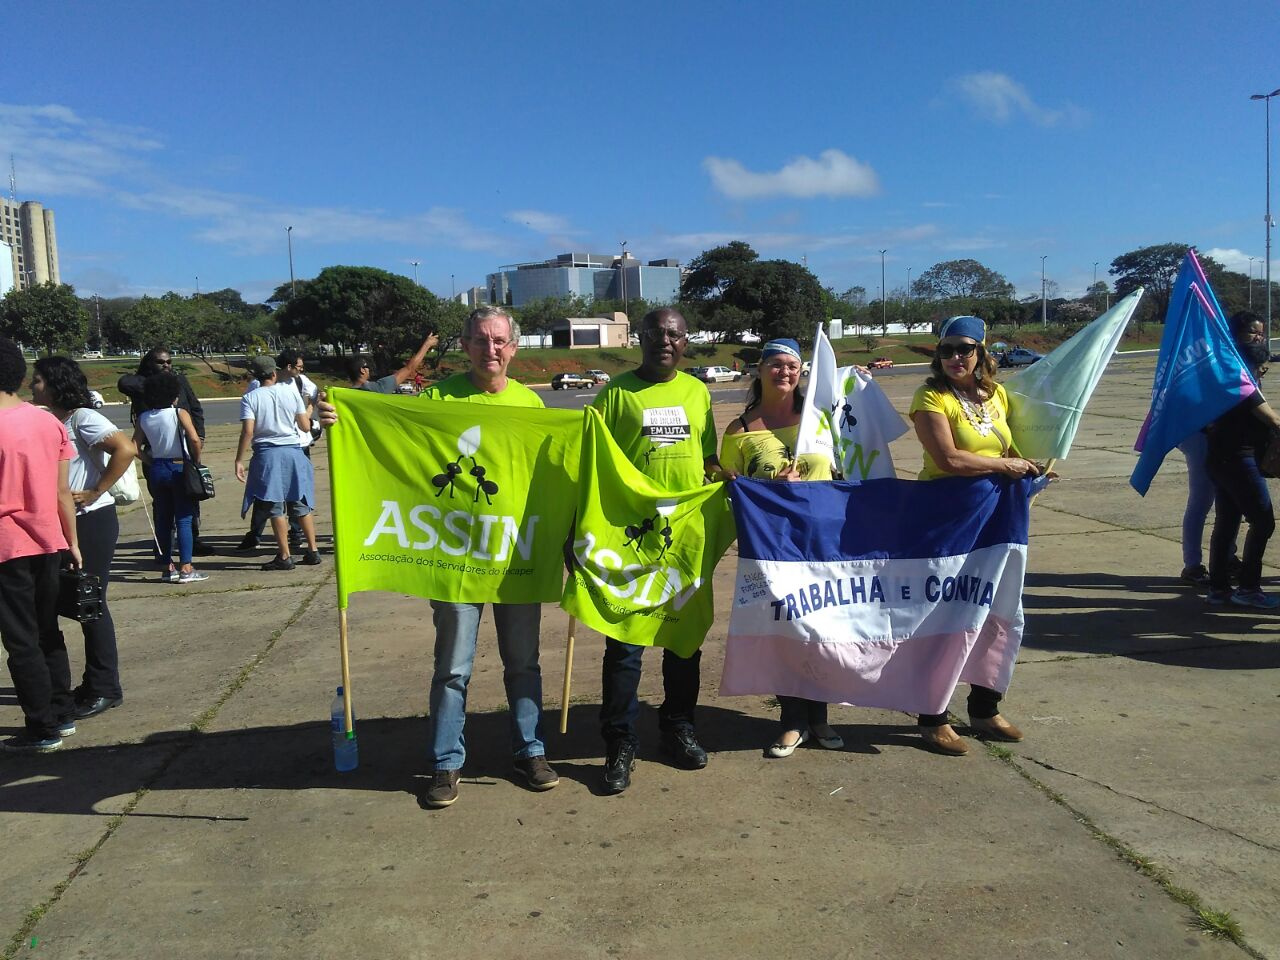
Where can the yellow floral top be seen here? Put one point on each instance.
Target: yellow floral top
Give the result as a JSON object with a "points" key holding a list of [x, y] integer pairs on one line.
{"points": [[762, 453]]}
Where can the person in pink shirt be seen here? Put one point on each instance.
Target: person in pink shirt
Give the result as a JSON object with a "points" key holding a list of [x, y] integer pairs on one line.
{"points": [[37, 523]]}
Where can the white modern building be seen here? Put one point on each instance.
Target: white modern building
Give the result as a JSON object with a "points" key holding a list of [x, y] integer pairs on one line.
{"points": [[591, 276]]}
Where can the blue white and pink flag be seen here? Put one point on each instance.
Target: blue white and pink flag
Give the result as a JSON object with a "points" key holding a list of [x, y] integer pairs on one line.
{"points": [[1200, 374], [881, 594]]}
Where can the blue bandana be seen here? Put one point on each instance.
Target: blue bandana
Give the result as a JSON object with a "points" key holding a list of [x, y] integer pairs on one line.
{"points": [[971, 327], [785, 346]]}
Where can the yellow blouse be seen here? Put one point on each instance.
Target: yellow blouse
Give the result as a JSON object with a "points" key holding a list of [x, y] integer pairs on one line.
{"points": [[762, 453], [983, 430]]}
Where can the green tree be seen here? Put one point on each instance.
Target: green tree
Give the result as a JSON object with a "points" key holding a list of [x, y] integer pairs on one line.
{"points": [[346, 306], [48, 315], [961, 278], [156, 322], [713, 272], [1155, 268], [537, 317]]}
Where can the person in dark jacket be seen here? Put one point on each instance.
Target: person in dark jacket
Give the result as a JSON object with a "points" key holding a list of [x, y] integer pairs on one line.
{"points": [[1237, 440], [159, 360]]}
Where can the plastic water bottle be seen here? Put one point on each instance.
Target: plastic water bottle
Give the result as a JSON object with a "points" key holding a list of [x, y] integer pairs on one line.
{"points": [[346, 753]]}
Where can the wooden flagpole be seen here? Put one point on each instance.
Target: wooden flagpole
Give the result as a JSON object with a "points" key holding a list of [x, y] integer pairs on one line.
{"points": [[568, 675], [346, 672]]}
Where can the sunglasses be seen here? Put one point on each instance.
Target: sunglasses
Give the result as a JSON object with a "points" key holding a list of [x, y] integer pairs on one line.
{"points": [[946, 351]]}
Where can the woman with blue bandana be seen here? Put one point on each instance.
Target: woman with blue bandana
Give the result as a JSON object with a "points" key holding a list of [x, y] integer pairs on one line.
{"points": [[761, 443], [961, 418]]}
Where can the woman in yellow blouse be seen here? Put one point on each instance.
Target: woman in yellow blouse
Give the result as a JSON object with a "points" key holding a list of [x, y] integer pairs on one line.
{"points": [[961, 418], [761, 443]]}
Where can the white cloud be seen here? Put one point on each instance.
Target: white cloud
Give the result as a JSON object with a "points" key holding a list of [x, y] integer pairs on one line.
{"points": [[999, 98], [60, 153], [1238, 261], [833, 174]]}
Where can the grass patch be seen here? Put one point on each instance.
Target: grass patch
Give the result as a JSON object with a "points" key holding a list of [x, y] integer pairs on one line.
{"points": [[1219, 924]]}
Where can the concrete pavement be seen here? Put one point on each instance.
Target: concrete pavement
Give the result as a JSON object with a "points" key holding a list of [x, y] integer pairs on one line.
{"points": [[203, 818]]}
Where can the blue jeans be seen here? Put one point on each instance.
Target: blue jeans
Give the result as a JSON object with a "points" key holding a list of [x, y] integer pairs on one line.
{"points": [[171, 503], [457, 625], [1199, 498], [1241, 494]]}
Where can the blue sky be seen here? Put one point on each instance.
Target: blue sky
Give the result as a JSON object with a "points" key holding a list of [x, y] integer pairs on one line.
{"points": [[177, 140]]}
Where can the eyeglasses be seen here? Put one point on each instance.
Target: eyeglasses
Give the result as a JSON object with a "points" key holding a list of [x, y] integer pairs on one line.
{"points": [[670, 336], [484, 342], [946, 351]]}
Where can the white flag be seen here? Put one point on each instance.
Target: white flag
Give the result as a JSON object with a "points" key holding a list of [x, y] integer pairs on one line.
{"points": [[847, 418]]}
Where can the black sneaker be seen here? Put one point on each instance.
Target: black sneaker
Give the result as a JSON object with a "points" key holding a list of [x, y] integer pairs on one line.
{"points": [[310, 558], [1197, 575], [683, 747], [279, 563], [250, 542], [618, 766], [537, 772], [443, 790]]}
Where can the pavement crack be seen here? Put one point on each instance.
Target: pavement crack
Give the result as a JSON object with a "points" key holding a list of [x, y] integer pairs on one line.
{"points": [[1152, 803], [37, 913]]}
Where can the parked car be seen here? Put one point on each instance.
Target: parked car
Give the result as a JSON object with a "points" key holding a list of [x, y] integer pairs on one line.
{"points": [[716, 374], [92, 355], [599, 376], [1019, 357], [572, 381], [96, 398], [880, 363]]}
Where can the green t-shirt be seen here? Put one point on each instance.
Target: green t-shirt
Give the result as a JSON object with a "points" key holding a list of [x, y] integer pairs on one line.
{"points": [[665, 429], [460, 387]]}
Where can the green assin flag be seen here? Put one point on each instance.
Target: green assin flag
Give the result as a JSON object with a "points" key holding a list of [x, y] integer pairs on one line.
{"points": [[643, 555], [463, 502]]}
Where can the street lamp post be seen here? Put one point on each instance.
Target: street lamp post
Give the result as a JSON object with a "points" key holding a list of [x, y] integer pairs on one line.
{"points": [[1095, 277], [884, 295], [197, 287], [415, 271], [293, 284], [1044, 302], [1266, 98], [908, 297]]}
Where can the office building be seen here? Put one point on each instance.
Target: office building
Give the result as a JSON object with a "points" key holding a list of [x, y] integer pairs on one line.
{"points": [[591, 276], [27, 228]]}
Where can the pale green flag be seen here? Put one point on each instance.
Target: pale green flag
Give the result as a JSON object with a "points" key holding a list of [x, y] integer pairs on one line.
{"points": [[464, 502], [1047, 399], [643, 555]]}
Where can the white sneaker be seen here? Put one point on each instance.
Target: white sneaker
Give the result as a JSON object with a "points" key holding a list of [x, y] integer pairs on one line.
{"points": [[195, 576]]}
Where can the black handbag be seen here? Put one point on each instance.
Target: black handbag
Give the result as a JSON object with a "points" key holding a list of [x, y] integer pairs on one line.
{"points": [[196, 478], [79, 596]]}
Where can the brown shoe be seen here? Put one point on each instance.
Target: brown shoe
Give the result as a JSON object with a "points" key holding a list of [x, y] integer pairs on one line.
{"points": [[995, 728], [443, 790], [944, 740], [537, 773]]}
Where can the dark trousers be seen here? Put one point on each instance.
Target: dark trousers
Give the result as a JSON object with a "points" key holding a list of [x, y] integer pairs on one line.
{"points": [[37, 653], [984, 704], [620, 685], [98, 531], [801, 714], [1240, 493]]}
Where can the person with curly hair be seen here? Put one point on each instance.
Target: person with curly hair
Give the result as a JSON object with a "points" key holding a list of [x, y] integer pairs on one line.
{"points": [[103, 452]]}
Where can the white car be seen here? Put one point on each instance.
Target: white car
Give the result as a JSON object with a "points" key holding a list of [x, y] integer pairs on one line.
{"points": [[96, 397], [716, 374], [92, 355]]}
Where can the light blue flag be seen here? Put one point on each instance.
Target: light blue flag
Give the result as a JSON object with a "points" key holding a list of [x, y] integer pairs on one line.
{"points": [[1047, 399], [1199, 377]]}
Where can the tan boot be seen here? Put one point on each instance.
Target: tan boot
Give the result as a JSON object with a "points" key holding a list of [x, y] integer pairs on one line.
{"points": [[944, 740], [995, 728]]}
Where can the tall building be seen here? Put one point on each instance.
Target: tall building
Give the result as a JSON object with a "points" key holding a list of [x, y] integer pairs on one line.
{"points": [[592, 276], [28, 230]]}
